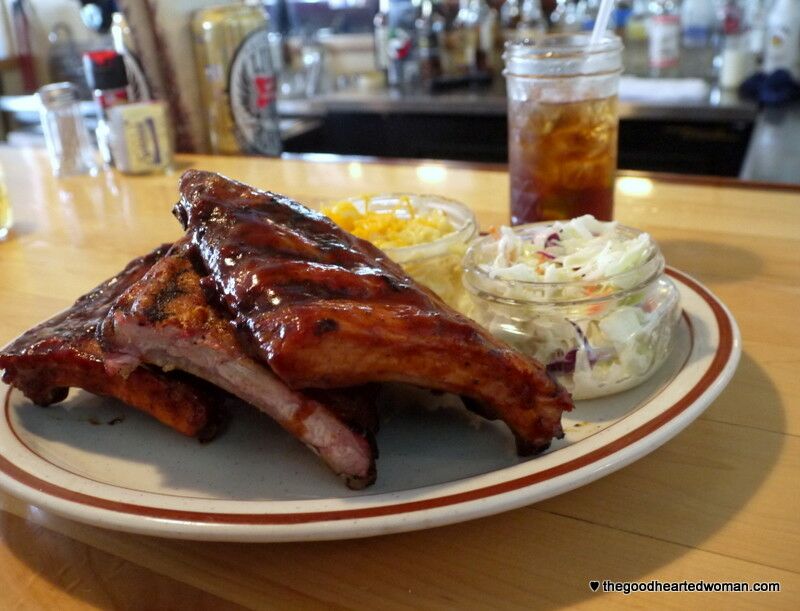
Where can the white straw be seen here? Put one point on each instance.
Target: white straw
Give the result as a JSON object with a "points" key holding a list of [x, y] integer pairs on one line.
{"points": [[601, 23]]}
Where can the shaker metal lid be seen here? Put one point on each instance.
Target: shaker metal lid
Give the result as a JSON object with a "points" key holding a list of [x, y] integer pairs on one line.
{"points": [[57, 94]]}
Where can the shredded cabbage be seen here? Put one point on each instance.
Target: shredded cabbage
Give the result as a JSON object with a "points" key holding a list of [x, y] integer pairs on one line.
{"points": [[583, 249], [568, 296]]}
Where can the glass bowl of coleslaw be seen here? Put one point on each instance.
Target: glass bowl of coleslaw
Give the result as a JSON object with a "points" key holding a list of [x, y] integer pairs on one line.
{"points": [[588, 299], [426, 234]]}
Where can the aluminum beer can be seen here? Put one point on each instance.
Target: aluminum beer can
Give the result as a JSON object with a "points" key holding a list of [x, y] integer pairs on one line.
{"points": [[237, 79]]}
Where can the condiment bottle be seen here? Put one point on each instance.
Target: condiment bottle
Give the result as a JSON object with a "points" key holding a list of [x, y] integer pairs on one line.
{"points": [[237, 79], [532, 23], [380, 25], [756, 19], [664, 32], [462, 39], [510, 15], [485, 59], [564, 18], [105, 73], [698, 25], [635, 37], [430, 27], [737, 61], [783, 38], [732, 16], [124, 44], [402, 62], [587, 14]]}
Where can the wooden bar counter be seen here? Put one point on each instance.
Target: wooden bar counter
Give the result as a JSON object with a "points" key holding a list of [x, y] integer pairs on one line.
{"points": [[721, 501]]}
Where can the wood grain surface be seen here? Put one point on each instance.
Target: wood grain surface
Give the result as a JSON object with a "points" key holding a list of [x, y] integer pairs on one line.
{"points": [[719, 502]]}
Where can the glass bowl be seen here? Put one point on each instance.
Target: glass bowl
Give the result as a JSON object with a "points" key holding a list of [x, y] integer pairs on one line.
{"points": [[436, 262], [596, 337]]}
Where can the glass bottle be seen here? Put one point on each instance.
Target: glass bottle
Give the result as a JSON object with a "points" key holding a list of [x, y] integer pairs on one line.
{"points": [[108, 80], [487, 32], [403, 64], [532, 23], [635, 38], [783, 38], [732, 16], [756, 20], [125, 45], [698, 24], [380, 25], [564, 18], [698, 18], [733, 58], [587, 14], [737, 61], [620, 15], [510, 14], [664, 35], [463, 38], [430, 27]]}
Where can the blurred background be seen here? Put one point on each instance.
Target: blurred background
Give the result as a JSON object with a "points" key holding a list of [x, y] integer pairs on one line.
{"points": [[423, 78]]}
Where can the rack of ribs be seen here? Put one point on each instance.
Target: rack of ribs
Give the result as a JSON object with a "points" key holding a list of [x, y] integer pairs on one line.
{"points": [[64, 352], [165, 319], [324, 309]]}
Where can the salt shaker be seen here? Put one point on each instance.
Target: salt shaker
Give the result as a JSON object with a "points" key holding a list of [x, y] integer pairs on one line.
{"points": [[65, 133]]}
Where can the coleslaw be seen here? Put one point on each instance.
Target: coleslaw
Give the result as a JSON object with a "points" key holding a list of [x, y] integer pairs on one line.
{"points": [[586, 298]]}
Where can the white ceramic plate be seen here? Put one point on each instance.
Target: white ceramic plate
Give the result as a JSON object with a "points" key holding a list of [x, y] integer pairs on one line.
{"points": [[100, 462]]}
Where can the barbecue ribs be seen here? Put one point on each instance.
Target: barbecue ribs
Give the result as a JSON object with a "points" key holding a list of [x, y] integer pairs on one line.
{"points": [[325, 309], [165, 319], [64, 352]]}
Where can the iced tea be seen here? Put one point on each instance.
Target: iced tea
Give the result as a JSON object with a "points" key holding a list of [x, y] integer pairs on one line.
{"points": [[562, 126], [562, 159]]}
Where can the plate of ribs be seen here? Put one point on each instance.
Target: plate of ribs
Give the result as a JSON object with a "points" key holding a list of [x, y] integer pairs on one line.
{"points": [[237, 384]]}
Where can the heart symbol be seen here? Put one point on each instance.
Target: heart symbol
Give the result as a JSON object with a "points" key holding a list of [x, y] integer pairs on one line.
{"points": [[594, 585]]}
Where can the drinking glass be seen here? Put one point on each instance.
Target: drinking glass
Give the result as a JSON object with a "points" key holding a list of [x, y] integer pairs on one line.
{"points": [[562, 126]]}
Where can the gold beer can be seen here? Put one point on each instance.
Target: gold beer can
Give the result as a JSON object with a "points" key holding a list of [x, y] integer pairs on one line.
{"points": [[237, 79]]}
